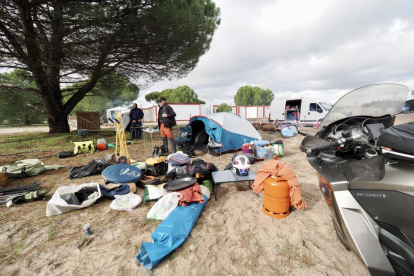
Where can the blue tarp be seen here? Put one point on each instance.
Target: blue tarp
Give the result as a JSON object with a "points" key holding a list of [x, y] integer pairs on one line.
{"points": [[170, 234]]}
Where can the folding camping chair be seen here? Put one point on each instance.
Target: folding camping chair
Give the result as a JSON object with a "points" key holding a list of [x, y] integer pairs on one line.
{"points": [[184, 136]]}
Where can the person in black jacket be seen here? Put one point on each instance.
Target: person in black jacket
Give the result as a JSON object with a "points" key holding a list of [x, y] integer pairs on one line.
{"points": [[136, 116], [166, 120]]}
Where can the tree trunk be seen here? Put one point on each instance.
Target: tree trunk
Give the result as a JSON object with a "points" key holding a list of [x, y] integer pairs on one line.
{"points": [[58, 122], [57, 117]]}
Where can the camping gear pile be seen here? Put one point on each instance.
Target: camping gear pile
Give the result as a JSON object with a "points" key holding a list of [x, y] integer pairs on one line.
{"points": [[263, 150], [181, 195]]}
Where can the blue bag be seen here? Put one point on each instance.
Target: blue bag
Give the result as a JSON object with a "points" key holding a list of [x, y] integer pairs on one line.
{"points": [[170, 234], [179, 159], [111, 193]]}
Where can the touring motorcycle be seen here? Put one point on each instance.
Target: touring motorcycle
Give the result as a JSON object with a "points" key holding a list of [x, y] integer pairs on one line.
{"points": [[365, 167]]}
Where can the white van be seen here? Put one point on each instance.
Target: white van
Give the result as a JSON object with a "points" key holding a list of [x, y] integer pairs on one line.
{"points": [[304, 110]]}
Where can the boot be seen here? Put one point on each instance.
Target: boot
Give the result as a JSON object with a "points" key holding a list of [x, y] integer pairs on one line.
{"points": [[174, 150], [165, 144], [156, 151]]}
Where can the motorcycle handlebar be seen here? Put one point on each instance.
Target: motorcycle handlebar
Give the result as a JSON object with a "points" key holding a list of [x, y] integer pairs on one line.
{"points": [[329, 145], [332, 144]]}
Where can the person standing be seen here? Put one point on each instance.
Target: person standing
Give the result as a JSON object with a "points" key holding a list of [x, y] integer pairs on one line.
{"points": [[136, 116], [166, 121]]}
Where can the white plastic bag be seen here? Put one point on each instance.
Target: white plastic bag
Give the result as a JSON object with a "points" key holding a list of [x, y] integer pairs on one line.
{"points": [[126, 202], [57, 205], [163, 207]]}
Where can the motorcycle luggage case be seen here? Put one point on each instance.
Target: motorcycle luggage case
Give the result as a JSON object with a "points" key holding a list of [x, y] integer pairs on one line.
{"points": [[399, 138]]}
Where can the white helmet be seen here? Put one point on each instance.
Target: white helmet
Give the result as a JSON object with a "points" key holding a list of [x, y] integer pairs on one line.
{"points": [[241, 165]]}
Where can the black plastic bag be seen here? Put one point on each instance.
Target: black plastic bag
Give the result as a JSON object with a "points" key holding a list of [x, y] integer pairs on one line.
{"points": [[96, 166]]}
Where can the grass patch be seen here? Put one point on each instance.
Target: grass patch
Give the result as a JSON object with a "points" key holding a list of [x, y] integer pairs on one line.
{"points": [[51, 235], [17, 249], [41, 142], [289, 250], [25, 233]]}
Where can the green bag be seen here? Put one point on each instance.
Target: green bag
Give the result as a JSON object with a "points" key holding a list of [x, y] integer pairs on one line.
{"points": [[207, 183], [26, 167]]}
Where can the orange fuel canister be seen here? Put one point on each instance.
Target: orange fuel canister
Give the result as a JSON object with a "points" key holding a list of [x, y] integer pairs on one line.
{"points": [[276, 198]]}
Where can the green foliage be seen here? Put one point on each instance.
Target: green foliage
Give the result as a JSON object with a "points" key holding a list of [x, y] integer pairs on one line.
{"points": [[112, 90], [181, 94], [248, 95], [80, 42], [224, 108], [153, 96], [18, 106]]}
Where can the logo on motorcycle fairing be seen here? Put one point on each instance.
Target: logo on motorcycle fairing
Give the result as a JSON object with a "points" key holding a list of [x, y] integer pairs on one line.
{"points": [[371, 195]]}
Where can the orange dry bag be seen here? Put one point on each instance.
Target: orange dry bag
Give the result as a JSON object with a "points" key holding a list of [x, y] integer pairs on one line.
{"points": [[276, 199], [101, 146]]}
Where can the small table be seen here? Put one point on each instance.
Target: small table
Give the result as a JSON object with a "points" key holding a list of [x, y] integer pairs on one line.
{"points": [[227, 176], [150, 132]]}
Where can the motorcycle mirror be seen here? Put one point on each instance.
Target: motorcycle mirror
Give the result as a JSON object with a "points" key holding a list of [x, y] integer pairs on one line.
{"points": [[289, 131]]}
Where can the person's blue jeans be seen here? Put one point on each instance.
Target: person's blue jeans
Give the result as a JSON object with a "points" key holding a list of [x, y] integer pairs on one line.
{"points": [[136, 133]]}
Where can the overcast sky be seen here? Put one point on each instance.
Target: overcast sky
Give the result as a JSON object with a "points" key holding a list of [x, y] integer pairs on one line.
{"points": [[304, 48]]}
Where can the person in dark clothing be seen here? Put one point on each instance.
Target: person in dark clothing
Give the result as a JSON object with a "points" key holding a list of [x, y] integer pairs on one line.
{"points": [[166, 121], [136, 116]]}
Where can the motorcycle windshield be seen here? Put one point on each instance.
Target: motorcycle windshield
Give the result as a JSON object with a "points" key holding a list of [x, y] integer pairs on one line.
{"points": [[372, 100]]}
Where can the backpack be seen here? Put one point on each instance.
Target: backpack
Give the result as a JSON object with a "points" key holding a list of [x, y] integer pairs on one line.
{"points": [[188, 149], [200, 169], [23, 168]]}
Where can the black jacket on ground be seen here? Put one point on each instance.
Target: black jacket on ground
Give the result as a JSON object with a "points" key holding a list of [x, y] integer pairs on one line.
{"points": [[136, 114], [167, 121]]}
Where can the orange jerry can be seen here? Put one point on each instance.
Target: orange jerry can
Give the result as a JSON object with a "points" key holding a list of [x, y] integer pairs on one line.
{"points": [[276, 198]]}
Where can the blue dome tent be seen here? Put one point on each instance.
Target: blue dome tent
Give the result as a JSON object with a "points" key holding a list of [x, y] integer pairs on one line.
{"points": [[222, 132]]}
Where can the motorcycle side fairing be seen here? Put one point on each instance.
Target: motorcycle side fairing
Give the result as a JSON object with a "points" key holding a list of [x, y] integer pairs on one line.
{"points": [[371, 197], [368, 212]]}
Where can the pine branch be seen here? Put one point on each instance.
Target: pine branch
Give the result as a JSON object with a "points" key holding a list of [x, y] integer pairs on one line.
{"points": [[32, 91]]}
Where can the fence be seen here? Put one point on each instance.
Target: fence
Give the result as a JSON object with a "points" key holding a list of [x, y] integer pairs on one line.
{"points": [[88, 120], [249, 112]]}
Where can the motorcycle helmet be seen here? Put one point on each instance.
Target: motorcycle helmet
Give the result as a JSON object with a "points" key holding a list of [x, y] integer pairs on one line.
{"points": [[241, 165]]}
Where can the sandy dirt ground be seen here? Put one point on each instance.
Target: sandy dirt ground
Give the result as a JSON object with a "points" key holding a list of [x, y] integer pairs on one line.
{"points": [[232, 236]]}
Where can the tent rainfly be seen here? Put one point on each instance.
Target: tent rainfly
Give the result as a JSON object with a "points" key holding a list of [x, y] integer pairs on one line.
{"points": [[222, 132], [110, 113]]}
